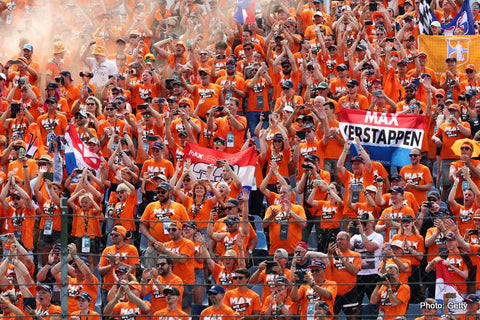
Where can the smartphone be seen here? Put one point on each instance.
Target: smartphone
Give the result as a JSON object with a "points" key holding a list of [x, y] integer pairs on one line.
{"points": [[390, 40], [221, 57], [270, 265], [377, 93], [15, 107], [152, 138], [300, 134], [161, 100], [168, 83], [387, 245], [368, 23], [21, 152], [30, 302], [372, 6], [142, 106], [48, 176], [12, 62]]}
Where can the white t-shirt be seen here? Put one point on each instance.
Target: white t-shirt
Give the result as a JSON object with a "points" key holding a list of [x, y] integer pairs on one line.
{"points": [[102, 71], [370, 261]]}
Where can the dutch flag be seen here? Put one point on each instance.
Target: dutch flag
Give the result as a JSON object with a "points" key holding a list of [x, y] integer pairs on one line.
{"points": [[77, 154], [244, 11]]}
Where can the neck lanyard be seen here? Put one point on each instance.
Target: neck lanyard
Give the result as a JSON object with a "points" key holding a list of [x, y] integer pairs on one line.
{"points": [[85, 220]]}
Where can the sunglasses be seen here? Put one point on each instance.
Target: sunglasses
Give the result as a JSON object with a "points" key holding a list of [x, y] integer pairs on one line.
{"points": [[247, 49], [414, 155], [316, 270], [238, 277], [172, 229], [161, 191], [90, 104], [16, 198], [465, 148], [469, 71], [109, 109]]}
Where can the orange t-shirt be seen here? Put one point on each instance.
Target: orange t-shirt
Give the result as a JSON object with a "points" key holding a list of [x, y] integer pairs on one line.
{"points": [[222, 312], [330, 214], [339, 273], [199, 213], [464, 217], [418, 176], [366, 179], [433, 250], [410, 200], [20, 221], [49, 210], [308, 295], [449, 133], [360, 102], [225, 129], [268, 281], [211, 94], [87, 223], [414, 241], [124, 212], [57, 124], [223, 276], [157, 217], [459, 164], [185, 270], [242, 302], [127, 254], [16, 167], [128, 310], [92, 315], [256, 94], [170, 315], [396, 216], [75, 288], [155, 167], [333, 149], [390, 311], [158, 298], [294, 233]]}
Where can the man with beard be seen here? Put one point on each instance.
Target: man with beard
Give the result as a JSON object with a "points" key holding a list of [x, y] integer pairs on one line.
{"points": [[156, 219], [410, 94], [161, 278], [81, 124], [233, 83]]}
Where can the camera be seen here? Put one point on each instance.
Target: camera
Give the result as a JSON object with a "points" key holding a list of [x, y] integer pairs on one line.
{"points": [[270, 265], [59, 79], [427, 204], [354, 228], [307, 165], [382, 277], [379, 179], [473, 232], [219, 109], [301, 275]]}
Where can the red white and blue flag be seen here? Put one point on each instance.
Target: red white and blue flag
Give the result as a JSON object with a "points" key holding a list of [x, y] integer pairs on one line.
{"points": [[243, 163], [77, 153], [244, 11], [444, 284], [388, 137]]}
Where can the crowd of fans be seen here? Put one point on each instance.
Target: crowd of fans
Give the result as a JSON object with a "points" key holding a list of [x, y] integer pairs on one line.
{"points": [[327, 231]]}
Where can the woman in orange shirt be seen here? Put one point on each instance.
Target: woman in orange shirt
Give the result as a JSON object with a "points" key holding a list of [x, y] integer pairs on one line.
{"points": [[123, 212], [330, 212], [86, 220], [279, 152], [413, 249]]}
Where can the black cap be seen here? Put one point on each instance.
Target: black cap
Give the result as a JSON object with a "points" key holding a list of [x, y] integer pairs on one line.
{"points": [[342, 67], [85, 296], [434, 194], [277, 136], [157, 145], [358, 158], [312, 158], [403, 62], [52, 85], [407, 218], [352, 82], [397, 189], [233, 201], [231, 219], [190, 224], [472, 298], [51, 100], [451, 59], [396, 177], [171, 290], [67, 74], [219, 139]]}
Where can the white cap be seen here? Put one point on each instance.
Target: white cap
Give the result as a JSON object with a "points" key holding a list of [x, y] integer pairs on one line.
{"points": [[435, 24], [288, 109], [318, 13], [3, 76], [371, 188]]}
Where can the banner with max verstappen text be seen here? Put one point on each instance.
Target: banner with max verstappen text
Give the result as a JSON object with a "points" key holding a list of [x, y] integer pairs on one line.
{"points": [[243, 163], [388, 137]]}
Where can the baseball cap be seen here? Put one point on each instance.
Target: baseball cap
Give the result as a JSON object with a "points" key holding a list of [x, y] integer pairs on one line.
{"points": [[397, 243], [451, 59], [435, 24], [470, 67], [231, 220], [3, 76], [433, 194], [454, 106], [397, 189], [66, 74], [219, 139], [282, 252], [28, 46], [358, 158], [396, 177], [51, 100], [121, 230], [317, 264], [94, 140], [164, 186], [440, 92], [371, 188], [190, 224], [216, 290], [157, 145], [473, 298], [322, 85], [44, 287], [85, 296], [342, 67], [52, 86], [288, 109], [82, 113], [171, 290], [233, 201], [407, 218], [230, 253], [352, 82], [287, 84]]}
